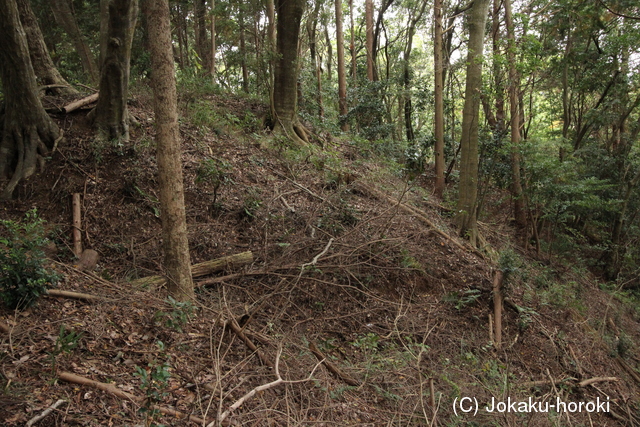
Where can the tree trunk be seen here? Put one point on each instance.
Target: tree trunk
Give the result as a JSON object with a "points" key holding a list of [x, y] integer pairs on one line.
{"points": [[200, 31], [46, 71], [408, 107], [468, 188], [514, 100], [174, 223], [342, 72], [285, 75], [354, 68], [65, 18], [369, 33], [212, 64], [243, 50], [111, 115], [439, 99], [27, 131]]}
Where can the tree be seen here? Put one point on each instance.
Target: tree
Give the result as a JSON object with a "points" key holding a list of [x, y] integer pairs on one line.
{"points": [[468, 187], [111, 116], [286, 74], [342, 73], [65, 18], [369, 31], [174, 223], [438, 98], [46, 72], [27, 131], [514, 100]]}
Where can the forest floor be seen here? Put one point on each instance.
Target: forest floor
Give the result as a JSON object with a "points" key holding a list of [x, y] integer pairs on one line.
{"points": [[353, 265]]}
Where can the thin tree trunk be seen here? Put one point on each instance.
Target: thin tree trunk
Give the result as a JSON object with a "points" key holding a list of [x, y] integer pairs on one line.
{"points": [[514, 99], [212, 67], [243, 51], [468, 187], [200, 22], [352, 46], [369, 33], [65, 18], [439, 100], [174, 224], [342, 73]]}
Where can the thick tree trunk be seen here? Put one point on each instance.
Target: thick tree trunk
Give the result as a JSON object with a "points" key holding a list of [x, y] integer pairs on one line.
{"points": [[27, 131], [65, 18], [514, 100], [174, 224], [111, 116], [342, 72], [468, 187], [439, 99], [46, 71], [286, 75]]}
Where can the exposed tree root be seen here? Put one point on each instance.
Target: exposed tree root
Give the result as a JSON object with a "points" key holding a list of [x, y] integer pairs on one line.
{"points": [[23, 148]]}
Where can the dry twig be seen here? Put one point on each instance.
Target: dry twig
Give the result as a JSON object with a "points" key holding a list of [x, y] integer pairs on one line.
{"points": [[44, 413]]}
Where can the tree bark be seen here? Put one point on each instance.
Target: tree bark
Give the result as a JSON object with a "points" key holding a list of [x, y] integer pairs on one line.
{"points": [[200, 31], [439, 99], [46, 71], [354, 68], [514, 100], [175, 243], [27, 131], [342, 73], [243, 50], [468, 187], [111, 116], [286, 73], [65, 18], [212, 64], [369, 40]]}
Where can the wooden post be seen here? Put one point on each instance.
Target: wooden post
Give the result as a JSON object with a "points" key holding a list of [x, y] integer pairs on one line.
{"points": [[497, 308], [77, 225]]}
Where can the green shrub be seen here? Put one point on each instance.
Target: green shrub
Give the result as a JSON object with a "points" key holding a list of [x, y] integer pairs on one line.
{"points": [[23, 275]]}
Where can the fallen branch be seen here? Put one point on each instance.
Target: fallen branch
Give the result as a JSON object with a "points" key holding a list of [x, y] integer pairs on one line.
{"points": [[418, 214], [629, 369], [44, 413], [201, 269], [111, 388], [263, 387], [590, 381], [79, 103], [331, 367], [73, 295], [240, 333]]}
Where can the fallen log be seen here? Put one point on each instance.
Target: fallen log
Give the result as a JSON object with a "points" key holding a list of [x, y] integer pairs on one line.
{"points": [[73, 295], [79, 103], [201, 269]]}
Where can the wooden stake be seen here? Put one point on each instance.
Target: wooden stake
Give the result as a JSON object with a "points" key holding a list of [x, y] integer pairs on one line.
{"points": [[497, 308], [77, 225]]}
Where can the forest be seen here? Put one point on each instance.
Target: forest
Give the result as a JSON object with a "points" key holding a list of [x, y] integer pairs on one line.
{"points": [[297, 212]]}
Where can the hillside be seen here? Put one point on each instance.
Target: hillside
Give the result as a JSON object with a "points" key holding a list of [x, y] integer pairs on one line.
{"points": [[353, 265]]}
